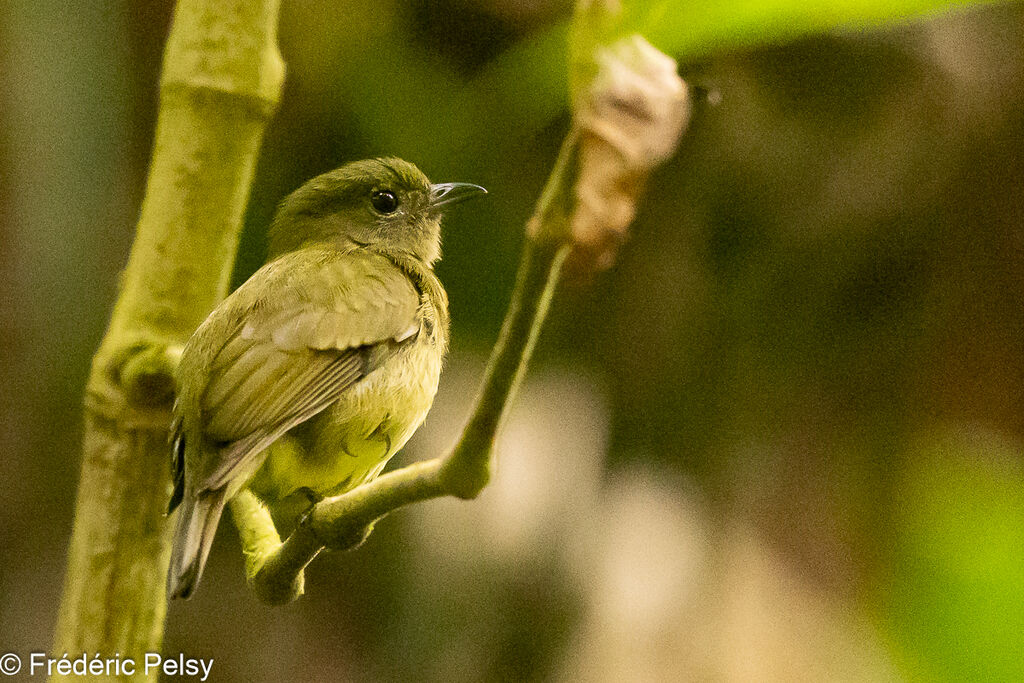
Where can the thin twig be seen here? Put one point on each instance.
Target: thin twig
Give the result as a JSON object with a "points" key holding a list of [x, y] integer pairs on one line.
{"points": [[589, 201]]}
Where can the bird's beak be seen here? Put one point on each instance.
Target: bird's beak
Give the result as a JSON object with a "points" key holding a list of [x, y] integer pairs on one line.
{"points": [[442, 194]]}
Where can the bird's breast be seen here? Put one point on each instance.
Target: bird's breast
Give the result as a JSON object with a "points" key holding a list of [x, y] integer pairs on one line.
{"points": [[354, 438]]}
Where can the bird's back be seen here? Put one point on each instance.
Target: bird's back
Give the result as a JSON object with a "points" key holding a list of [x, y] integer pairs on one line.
{"points": [[311, 386]]}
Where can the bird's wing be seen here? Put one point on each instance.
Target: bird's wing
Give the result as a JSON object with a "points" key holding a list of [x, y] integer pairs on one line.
{"points": [[322, 325]]}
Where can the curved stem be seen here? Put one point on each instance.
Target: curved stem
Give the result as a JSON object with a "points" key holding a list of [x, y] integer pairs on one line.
{"points": [[343, 521], [635, 110]]}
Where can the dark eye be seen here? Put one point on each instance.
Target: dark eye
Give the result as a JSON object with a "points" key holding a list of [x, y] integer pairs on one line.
{"points": [[384, 201]]}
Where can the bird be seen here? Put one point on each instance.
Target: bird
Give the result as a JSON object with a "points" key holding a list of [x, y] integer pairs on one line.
{"points": [[315, 371]]}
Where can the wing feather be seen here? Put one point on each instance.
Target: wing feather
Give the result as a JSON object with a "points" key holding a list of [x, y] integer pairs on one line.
{"points": [[287, 359]]}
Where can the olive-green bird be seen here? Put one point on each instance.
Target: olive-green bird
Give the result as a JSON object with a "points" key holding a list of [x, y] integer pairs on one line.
{"points": [[314, 372]]}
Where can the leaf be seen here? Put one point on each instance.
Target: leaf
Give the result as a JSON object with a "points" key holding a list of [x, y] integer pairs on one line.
{"points": [[953, 605], [688, 31], [692, 30]]}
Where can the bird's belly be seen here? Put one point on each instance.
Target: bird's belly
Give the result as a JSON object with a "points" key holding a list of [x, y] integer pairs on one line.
{"points": [[353, 439]]}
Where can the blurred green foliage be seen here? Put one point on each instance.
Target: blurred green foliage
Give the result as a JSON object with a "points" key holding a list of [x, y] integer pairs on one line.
{"points": [[696, 30], [818, 322], [956, 586]]}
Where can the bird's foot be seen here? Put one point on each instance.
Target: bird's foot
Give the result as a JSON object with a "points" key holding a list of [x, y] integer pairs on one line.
{"points": [[313, 497], [347, 539]]}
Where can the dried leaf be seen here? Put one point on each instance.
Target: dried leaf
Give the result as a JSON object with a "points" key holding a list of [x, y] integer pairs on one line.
{"points": [[629, 121]]}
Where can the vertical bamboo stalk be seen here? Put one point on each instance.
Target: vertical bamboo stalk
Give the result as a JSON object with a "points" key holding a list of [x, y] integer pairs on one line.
{"points": [[222, 78]]}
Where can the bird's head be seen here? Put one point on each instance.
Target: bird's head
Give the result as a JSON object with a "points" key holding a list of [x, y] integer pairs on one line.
{"points": [[387, 205]]}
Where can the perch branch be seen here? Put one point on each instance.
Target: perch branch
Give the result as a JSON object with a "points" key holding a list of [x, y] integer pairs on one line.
{"points": [[629, 111], [343, 521]]}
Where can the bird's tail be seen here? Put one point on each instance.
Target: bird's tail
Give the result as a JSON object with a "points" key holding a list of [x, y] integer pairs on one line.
{"points": [[193, 537]]}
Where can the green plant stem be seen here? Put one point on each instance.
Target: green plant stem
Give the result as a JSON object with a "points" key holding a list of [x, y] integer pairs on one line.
{"points": [[466, 470], [222, 77], [344, 521]]}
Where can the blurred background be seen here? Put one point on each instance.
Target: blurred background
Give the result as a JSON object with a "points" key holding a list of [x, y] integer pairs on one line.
{"points": [[779, 440]]}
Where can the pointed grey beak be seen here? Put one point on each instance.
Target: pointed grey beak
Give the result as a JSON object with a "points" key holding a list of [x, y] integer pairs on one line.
{"points": [[442, 194]]}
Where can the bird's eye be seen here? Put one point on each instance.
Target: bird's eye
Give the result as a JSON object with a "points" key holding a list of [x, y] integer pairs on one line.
{"points": [[384, 201]]}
